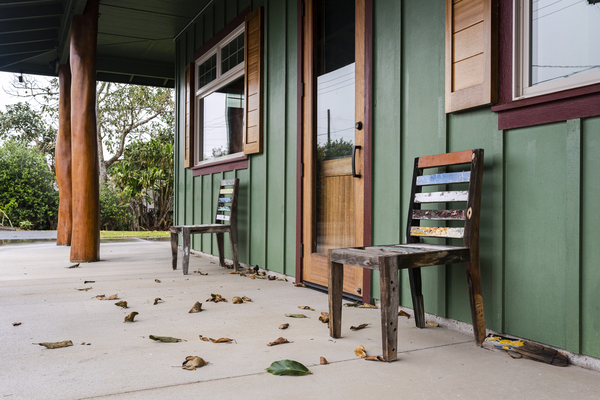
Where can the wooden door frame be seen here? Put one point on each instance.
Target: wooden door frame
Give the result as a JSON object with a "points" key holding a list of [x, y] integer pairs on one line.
{"points": [[304, 93]]}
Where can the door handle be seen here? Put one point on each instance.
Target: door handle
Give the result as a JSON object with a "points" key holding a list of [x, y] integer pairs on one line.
{"points": [[354, 174]]}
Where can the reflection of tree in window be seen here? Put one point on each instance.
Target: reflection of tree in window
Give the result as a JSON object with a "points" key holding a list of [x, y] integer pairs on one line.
{"points": [[222, 120]]}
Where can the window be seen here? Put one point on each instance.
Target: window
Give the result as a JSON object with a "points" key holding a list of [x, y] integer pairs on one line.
{"points": [[555, 46], [220, 102]]}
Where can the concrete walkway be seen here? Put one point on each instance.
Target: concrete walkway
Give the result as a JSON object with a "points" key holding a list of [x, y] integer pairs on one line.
{"points": [[121, 362]]}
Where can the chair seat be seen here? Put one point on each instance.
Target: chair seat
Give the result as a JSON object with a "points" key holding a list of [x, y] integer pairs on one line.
{"points": [[205, 228]]}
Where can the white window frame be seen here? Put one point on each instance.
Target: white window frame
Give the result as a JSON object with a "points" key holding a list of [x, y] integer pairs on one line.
{"points": [[220, 81], [522, 60]]}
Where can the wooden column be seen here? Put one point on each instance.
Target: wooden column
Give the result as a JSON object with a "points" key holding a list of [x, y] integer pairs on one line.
{"points": [[85, 243], [63, 157]]}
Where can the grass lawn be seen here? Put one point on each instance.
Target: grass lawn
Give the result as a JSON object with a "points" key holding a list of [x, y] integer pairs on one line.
{"points": [[124, 234]]}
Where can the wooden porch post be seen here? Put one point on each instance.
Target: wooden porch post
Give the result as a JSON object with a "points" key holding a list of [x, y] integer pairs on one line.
{"points": [[63, 157], [85, 244]]}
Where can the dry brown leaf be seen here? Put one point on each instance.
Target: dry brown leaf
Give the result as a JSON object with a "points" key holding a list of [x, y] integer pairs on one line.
{"points": [[200, 272], [306, 308], [221, 340], [258, 276], [246, 298], [324, 318], [85, 344], [205, 339], [434, 324], [16, 323], [237, 300], [353, 304], [216, 298], [103, 297], [296, 315], [271, 277], [85, 289], [193, 362], [196, 308], [242, 274], [360, 351], [157, 280], [131, 316], [375, 358], [324, 361], [359, 327], [402, 313], [367, 305], [284, 326], [158, 300], [56, 345], [74, 266], [86, 282], [281, 279], [299, 284], [122, 304], [280, 340], [234, 272]]}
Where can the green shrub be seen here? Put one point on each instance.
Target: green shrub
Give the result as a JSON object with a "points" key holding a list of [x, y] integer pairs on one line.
{"points": [[113, 210], [27, 187]]}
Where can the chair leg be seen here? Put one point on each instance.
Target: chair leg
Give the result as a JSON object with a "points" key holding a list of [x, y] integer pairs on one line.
{"points": [[336, 283], [234, 249], [414, 275], [186, 249], [476, 299], [174, 239], [390, 299], [221, 249]]}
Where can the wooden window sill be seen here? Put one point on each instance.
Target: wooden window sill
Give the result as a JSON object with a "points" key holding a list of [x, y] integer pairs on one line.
{"points": [[231, 164]]}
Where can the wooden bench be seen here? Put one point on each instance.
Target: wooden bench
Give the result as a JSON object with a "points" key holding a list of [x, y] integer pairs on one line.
{"points": [[414, 254], [225, 222]]}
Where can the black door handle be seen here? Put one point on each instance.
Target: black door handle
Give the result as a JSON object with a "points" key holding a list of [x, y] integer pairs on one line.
{"points": [[354, 174], [359, 125]]}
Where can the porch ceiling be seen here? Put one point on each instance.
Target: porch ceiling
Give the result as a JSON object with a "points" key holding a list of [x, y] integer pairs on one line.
{"points": [[135, 37]]}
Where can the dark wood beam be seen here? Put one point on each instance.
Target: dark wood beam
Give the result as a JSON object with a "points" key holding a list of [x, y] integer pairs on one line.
{"points": [[63, 158]]}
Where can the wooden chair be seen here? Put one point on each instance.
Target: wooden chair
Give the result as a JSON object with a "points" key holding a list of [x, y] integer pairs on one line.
{"points": [[413, 255], [225, 222]]}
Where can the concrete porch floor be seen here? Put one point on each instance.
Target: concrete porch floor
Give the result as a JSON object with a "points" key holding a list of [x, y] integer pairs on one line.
{"points": [[38, 290]]}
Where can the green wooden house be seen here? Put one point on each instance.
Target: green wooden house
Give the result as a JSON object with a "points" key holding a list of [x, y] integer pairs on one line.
{"points": [[293, 97]]}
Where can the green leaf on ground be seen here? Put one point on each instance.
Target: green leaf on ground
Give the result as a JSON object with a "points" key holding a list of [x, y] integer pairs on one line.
{"points": [[165, 339], [287, 367]]}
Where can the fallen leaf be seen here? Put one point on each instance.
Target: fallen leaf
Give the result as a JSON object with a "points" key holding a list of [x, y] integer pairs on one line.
{"points": [[253, 276], [56, 345], [216, 298], [122, 304], [359, 327], [246, 298], [242, 274], [324, 318], [16, 323], [281, 279], [205, 339], [131, 316], [251, 271], [353, 304], [103, 297], [74, 266], [260, 277], [434, 324], [200, 272], [158, 300], [85, 289], [299, 284], [165, 339], [234, 272], [284, 326], [280, 340], [221, 340], [375, 358], [237, 300], [157, 280], [306, 308], [85, 282], [324, 361], [85, 344], [287, 367], [360, 351], [272, 277], [367, 305], [196, 308], [402, 313], [193, 362], [296, 315]]}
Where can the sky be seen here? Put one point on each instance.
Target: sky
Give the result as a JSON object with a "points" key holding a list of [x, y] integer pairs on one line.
{"points": [[5, 98]]}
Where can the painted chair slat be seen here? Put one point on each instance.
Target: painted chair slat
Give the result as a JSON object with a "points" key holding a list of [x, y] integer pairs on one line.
{"points": [[225, 199], [460, 157], [442, 197], [434, 231], [443, 179], [227, 182], [226, 191], [223, 217], [224, 208], [439, 215]]}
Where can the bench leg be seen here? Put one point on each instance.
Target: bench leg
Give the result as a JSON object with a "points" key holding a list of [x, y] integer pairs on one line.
{"points": [[234, 249], [185, 232], [174, 239], [336, 283], [476, 299], [390, 299], [414, 275], [221, 249]]}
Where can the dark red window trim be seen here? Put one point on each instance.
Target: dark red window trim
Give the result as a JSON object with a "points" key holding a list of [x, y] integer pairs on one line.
{"points": [[554, 107], [221, 166]]}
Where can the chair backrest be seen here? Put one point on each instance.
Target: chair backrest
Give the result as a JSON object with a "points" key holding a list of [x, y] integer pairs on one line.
{"points": [[470, 199], [227, 202]]}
